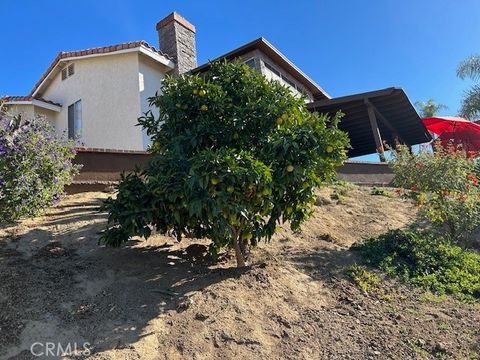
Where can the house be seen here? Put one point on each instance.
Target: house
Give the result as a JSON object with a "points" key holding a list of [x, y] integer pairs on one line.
{"points": [[96, 95]]}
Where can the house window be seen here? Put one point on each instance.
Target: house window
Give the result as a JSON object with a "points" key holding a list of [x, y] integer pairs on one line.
{"points": [[68, 71], [250, 63], [272, 69], [75, 120], [282, 77], [289, 82]]}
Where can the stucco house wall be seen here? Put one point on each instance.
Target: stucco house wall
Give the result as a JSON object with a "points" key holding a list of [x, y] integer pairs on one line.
{"points": [[150, 77], [25, 110], [108, 87], [30, 111]]}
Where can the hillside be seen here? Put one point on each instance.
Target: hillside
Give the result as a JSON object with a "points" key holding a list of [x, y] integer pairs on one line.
{"points": [[148, 301]]}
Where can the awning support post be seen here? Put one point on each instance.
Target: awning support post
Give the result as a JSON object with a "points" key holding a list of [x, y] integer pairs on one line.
{"points": [[376, 131]]}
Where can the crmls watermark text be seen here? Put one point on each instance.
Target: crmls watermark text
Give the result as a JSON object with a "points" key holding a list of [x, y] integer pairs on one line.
{"points": [[57, 349]]}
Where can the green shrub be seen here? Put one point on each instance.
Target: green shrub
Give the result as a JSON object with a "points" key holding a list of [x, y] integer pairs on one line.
{"points": [[366, 280], [235, 154], [35, 166], [341, 190], [445, 186], [378, 191], [424, 260]]}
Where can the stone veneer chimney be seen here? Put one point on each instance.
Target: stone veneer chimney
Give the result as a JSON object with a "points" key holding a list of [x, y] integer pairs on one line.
{"points": [[177, 39]]}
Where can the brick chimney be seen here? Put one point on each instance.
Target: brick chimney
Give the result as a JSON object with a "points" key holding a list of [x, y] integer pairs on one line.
{"points": [[177, 39]]}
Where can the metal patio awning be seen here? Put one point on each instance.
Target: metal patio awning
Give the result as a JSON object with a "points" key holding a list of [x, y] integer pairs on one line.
{"points": [[372, 118]]}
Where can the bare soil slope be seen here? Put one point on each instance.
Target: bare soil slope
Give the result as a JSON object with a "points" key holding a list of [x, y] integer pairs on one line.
{"points": [[158, 299]]}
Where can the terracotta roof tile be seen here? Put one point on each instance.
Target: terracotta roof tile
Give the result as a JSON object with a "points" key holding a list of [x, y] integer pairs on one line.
{"points": [[93, 51], [29, 98]]}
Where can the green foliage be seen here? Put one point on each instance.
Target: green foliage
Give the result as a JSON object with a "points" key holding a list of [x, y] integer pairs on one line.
{"points": [[429, 108], [424, 260], [366, 280], [379, 191], [341, 190], [445, 186], [470, 108], [433, 298], [235, 155], [35, 166], [343, 187], [470, 68]]}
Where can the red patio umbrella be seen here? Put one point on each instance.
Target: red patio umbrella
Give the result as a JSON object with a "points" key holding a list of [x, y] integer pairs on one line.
{"points": [[456, 131]]}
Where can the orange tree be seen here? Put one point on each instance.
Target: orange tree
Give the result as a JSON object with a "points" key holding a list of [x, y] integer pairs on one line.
{"points": [[234, 155], [445, 185]]}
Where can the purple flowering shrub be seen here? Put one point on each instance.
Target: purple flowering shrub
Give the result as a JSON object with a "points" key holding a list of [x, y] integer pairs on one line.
{"points": [[35, 166]]}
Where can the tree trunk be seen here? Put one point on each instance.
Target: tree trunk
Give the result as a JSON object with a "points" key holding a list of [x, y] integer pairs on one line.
{"points": [[238, 251], [244, 248]]}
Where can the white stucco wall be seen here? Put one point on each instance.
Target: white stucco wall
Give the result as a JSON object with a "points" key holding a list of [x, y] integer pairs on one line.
{"points": [[108, 87], [150, 77], [25, 110], [30, 111]]}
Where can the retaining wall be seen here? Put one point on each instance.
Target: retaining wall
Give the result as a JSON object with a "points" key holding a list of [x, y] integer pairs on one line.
{"points": [[102, 168]]}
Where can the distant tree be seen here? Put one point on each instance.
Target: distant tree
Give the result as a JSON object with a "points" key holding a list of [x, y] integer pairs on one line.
{"points": [[429, 108], [470, 68]]}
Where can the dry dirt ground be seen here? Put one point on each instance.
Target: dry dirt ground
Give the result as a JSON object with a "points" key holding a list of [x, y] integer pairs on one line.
{"points": [[155, 300]]}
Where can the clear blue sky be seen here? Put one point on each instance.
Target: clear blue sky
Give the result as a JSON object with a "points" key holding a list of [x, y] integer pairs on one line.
{"points": [[345, 46]]}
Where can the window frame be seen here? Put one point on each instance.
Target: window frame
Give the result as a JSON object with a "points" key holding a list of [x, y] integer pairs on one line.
{"points": [[68, 71], [252, 59], [283, 77], [74, 120]]}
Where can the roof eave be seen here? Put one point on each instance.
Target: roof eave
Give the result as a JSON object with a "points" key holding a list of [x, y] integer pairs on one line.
{"points": [[359, 96], [36, 102], [313, 87], [297, 69], [141, 49]]}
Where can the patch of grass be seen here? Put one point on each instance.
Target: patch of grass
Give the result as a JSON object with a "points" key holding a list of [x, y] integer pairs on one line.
{"points": [[440, 353], [328, 238], [336, 196], [379, 191], [343, 186], [473, 355], [366, 280], [434, 298], [419, 350], [420, 259], [443, 326], [341, 189]]}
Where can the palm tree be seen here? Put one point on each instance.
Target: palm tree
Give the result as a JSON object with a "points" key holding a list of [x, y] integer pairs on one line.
{"points": [[470, 68], [429, 108]]}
